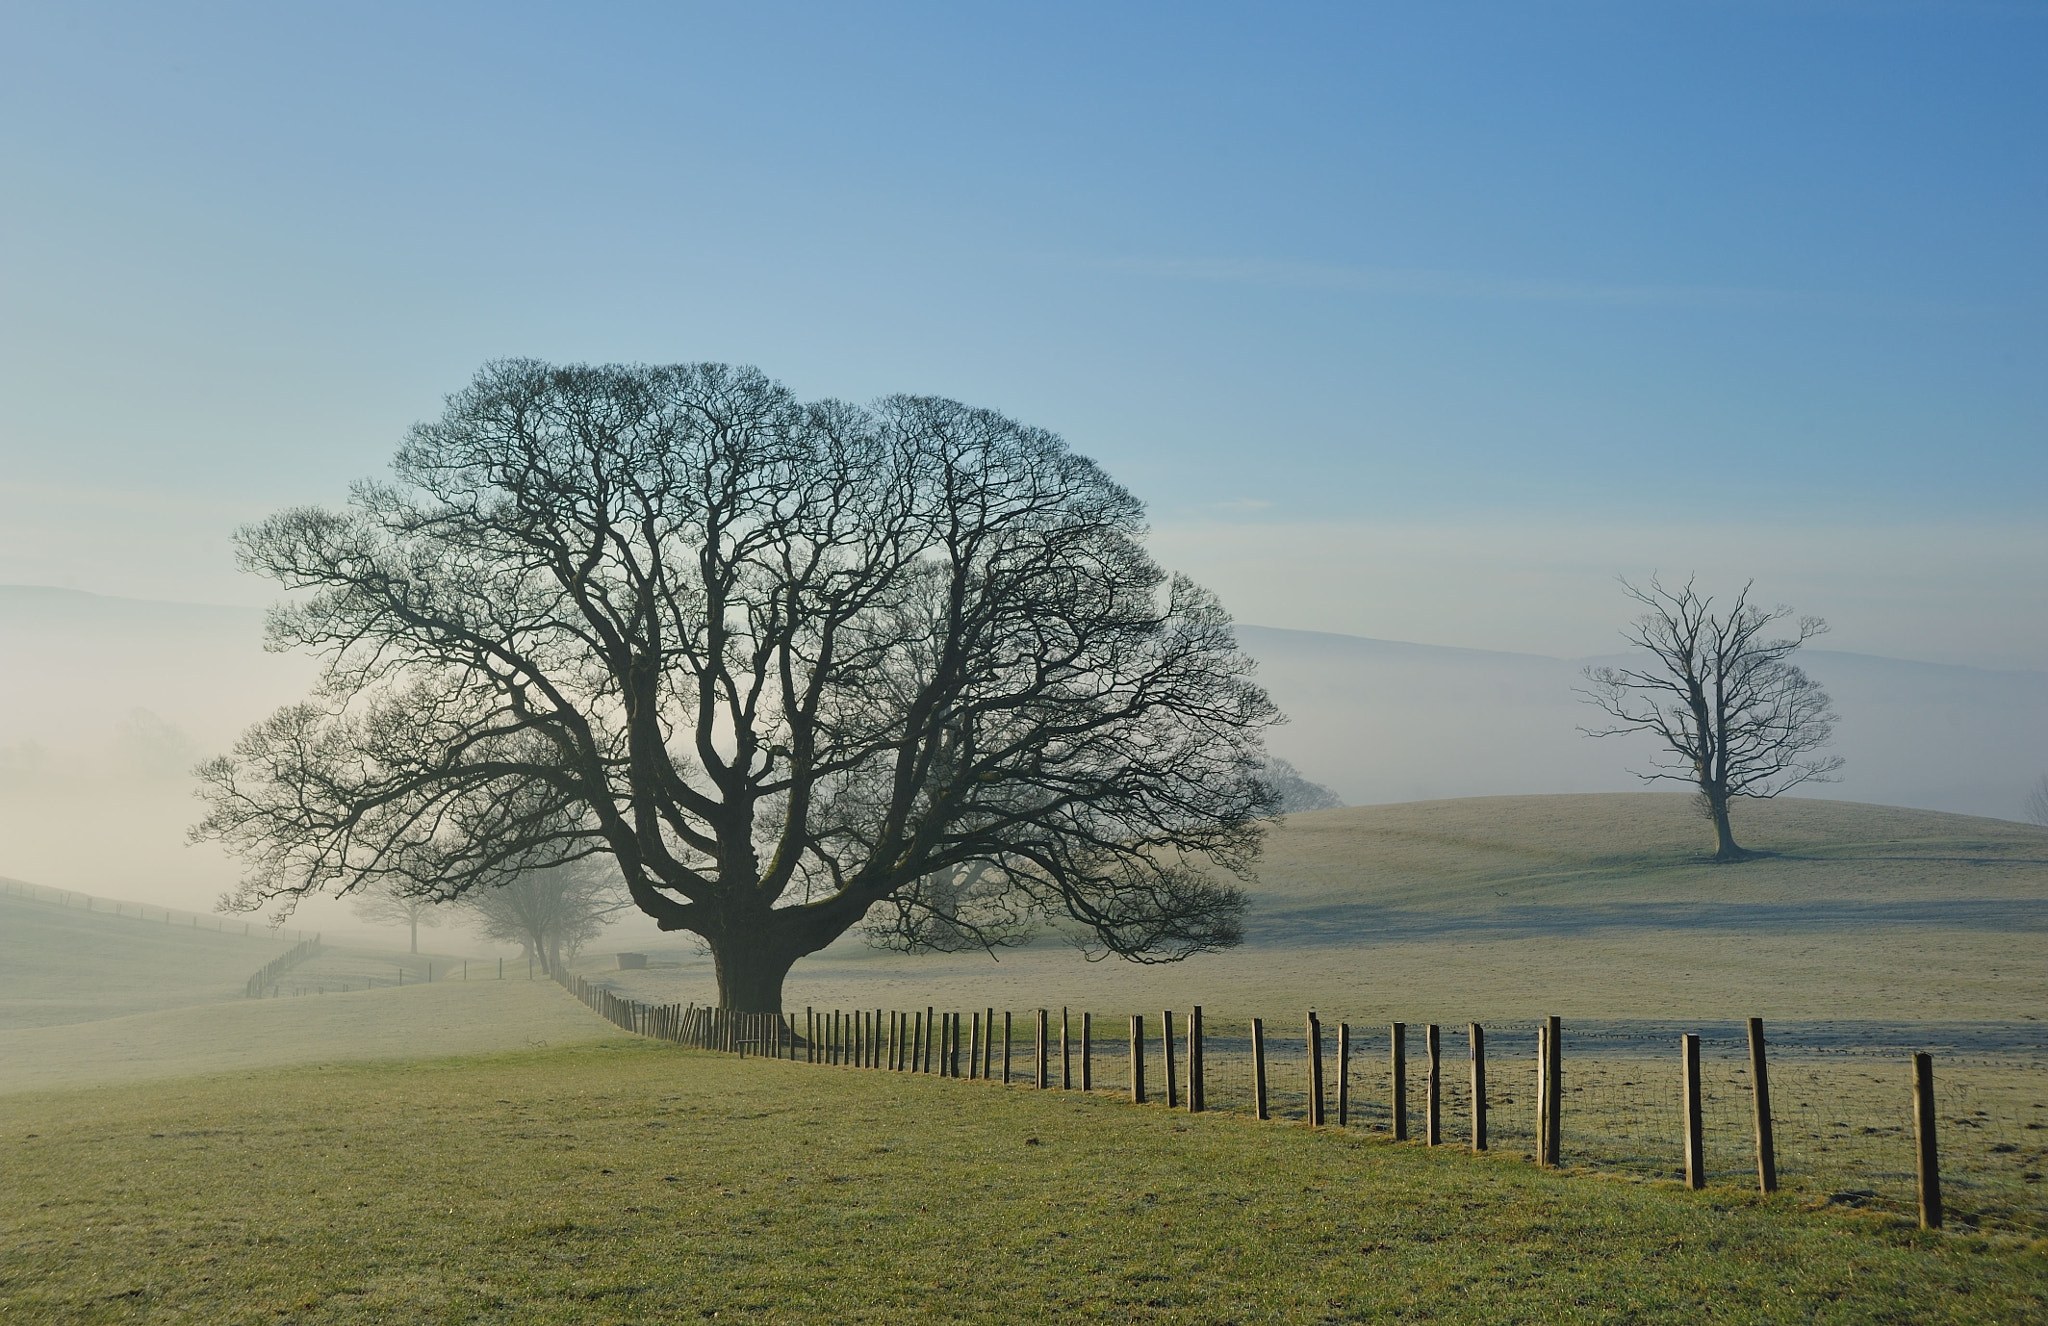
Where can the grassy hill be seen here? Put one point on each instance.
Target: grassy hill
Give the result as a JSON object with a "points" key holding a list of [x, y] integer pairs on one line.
{"points": [[1588, 906], [247, 1035], [62, 964], [90, 997]]}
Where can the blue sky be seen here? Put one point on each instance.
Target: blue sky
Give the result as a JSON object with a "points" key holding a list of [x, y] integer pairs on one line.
{"points": [[1415, 321]]}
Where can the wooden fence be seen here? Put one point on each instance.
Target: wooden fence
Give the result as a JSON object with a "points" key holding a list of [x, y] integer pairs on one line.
{"points": [[265, 980], [1461, 1102]]}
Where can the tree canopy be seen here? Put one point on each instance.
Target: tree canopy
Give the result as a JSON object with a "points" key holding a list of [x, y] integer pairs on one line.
{"points": [[786, 664]]}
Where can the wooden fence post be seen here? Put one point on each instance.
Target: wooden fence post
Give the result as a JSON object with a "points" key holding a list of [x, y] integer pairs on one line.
{"points": [[1929, 1166], [1044, 1071], [1476, 1035], [931, 1028], [1137, 1058], [1695, 1134], [1197, 1097], [1259, 1068], [1315, 1071], [1760, 1095], [1066, 1054], [953, 1063], [1087, 1051], [1343, 1074], [1550, 1092], [1397, 1048], [988, 1043], [1006, 1047], [1433, 1099], [1166, 1057], [974, 1050]]}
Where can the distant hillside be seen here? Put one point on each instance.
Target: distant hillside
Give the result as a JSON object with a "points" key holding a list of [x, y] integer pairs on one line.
{"points": [[64, 965], [1381, 721], [1578, 864]]}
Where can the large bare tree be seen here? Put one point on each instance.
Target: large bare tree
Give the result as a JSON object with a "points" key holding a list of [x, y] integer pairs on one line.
{"points": [[786, 664], [1735, 717]]}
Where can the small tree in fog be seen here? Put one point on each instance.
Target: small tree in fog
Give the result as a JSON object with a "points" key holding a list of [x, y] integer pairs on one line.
{"points": [[550, 913], [1735, 716], [1292, 792], [386, 906], [2037, 802]]}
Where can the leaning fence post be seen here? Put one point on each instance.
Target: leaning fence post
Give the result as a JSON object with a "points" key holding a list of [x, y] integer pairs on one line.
{"points": [[1259, 1068], [1923, 1136], [1137, 1058], [1433, 1099], [1695, 1134], [1397, 1048], [1166, 1056], [1197, 1097], [1760, 1094], [1476, 1034], [1315, 1071], [1044, 1074]]}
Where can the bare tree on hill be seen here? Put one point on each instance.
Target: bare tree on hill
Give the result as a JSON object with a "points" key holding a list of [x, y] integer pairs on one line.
{"points": [[1736, 717], [784, 664], [2037, 802], [385, 906]]}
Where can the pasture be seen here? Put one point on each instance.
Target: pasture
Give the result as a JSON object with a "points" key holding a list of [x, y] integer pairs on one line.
{"points": [[489, 1150], [627, 1181]]}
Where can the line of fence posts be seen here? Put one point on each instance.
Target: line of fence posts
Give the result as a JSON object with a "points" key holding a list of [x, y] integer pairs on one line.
{"points": [[913, 1041]]}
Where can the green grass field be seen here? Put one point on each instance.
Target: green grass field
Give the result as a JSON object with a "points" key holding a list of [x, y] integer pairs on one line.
{"points": [[490, 1151], [623, 1181], [1511, 908]]}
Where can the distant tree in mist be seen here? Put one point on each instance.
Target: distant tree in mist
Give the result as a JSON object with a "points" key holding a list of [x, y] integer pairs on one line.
{"points": [[1735, 716], [384, 905], [550, 913], [1292, 792], [2037, 802]]}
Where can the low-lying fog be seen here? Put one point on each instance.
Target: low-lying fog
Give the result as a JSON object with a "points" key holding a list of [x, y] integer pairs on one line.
{"points": [[112, 700]]}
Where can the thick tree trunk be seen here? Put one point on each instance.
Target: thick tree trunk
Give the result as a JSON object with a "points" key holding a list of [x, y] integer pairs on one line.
{"points": [[751, 972], [1725, 847]]}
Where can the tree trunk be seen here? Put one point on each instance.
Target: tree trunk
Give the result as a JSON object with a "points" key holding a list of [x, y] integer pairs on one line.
{"points": [[751, 972], [1725, 847]]}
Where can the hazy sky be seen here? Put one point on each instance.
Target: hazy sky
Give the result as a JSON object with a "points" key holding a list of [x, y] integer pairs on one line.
{"points": [[1413, 321]]}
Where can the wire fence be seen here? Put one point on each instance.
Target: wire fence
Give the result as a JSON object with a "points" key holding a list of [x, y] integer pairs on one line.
{"points": [[1841, 1126]]}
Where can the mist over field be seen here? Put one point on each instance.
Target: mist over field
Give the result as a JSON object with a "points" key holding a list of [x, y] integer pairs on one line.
{"points": [[118, 698]]}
